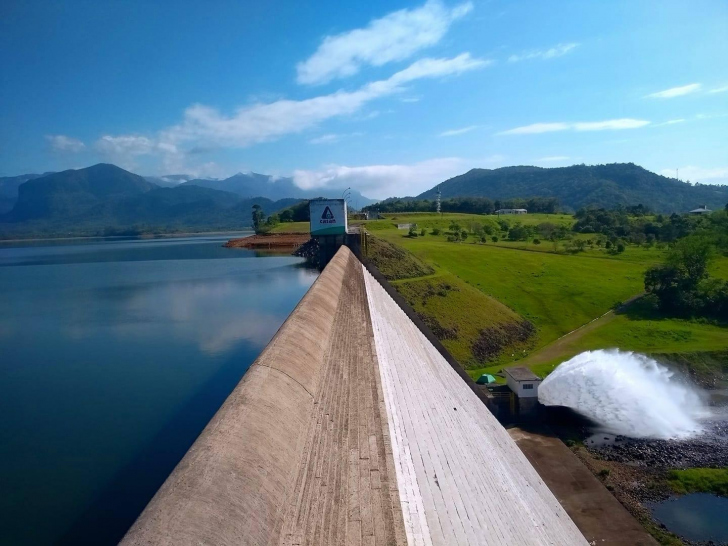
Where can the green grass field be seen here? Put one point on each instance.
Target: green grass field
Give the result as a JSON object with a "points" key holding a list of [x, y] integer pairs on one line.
{"points": [[557, 291]]}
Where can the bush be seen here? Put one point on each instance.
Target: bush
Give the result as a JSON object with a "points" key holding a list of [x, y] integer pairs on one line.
{"points": [[494, 239], [620, 247], [536, 242], [483, 239], [436, 231], [463, 235], [423, 232]]}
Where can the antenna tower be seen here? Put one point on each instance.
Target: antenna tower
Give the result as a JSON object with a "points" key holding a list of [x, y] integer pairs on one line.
{"points": [[438, 199]]}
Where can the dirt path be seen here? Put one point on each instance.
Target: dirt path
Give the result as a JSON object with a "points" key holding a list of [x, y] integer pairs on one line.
{"points": [[560, 347]]}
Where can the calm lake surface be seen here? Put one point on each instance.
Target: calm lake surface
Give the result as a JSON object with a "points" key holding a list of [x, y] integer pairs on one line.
{"points": [[114, 355]]}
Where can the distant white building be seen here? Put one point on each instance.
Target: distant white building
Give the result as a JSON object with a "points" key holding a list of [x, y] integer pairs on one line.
{"points": [[511, 211], [701, 210], [522, 381], [405, 226]]}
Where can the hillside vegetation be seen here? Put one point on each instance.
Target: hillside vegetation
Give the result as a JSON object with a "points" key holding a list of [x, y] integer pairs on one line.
{"points": [[584, 185], [557, 286]]}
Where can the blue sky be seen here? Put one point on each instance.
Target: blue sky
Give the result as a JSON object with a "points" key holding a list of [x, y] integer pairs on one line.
{"points": [[387, 97]]}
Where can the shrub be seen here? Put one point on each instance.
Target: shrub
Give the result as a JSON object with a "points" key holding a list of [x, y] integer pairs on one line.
{"points": [[423, 232], [494, 239], [463, 235], [436, 231], [536, 242]]}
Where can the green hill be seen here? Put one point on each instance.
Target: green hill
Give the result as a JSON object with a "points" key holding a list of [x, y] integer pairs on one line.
{"points": [[69, 193], [583, 185], [105, 199]]}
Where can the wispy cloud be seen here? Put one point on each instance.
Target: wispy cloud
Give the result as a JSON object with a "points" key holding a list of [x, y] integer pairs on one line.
{"points": [[455, 132], [608, 125], [675, 91], [394, 37], [553, 158], [330, 138], [206, 127], [719, 89], [550, 53], [699, 174], [265, 122], [63, 143], [410, 99], [382, 181], [670, 122]]}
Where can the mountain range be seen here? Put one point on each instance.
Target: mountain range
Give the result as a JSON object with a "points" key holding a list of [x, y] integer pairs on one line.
{"points": [[105, 199], [584, 185], [271, 187]]}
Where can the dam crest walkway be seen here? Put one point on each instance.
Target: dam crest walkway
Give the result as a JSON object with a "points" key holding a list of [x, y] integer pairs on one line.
{"points": [[351, 428]]}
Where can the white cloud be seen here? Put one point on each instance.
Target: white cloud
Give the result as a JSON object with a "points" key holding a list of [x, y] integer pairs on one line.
{"points": [[612, 124], [127, 145], [719, 89], [536, 128], [330, 138], [670, 122], [553, 158], [265, 122], [699, 174], [325, 139], [382, 181], [410, 99], [556, 51], [455, 132], [395, 37], [63, 143], [675, 91]]}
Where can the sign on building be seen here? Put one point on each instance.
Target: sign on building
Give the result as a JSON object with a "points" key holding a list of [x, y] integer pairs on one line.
{"points": [[328, 216]]}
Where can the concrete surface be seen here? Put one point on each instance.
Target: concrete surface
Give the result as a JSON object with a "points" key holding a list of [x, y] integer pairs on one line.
{"points": [[351, 428], [598, 515]]}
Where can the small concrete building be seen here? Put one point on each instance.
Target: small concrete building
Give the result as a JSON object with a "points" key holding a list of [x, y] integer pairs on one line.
{"points": [[522, 381], [701, 210], [511, 211]]}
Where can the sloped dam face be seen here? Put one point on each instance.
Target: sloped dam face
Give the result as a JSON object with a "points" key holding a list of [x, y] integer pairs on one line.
{"points": [[352, 427]]}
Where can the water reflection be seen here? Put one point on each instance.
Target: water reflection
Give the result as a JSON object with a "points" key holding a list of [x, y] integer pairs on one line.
{"points": [[117, 364]]}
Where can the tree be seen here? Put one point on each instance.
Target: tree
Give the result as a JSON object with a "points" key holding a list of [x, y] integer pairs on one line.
{"points": [[412, 231], [693, 255], [435, 231], [463, 235], [536, 242], [494, 239], [258, 217]]}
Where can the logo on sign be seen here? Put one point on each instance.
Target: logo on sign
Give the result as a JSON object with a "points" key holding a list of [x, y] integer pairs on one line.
{"points": [[327, 217]]}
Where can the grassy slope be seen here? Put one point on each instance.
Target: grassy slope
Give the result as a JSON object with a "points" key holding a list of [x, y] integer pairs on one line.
{"points": [[557, 292], [700, 480], [292, 227]]}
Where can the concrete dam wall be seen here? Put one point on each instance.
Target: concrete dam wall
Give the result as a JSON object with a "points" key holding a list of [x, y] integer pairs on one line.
{"points": [[350, 428]]}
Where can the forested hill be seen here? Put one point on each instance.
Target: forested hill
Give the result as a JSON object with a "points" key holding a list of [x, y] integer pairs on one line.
{"points": [[105, 199], [582, 185]]}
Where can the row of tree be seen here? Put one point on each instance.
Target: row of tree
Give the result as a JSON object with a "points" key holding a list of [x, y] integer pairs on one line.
{"points": [[638, 225], [467, 205]]}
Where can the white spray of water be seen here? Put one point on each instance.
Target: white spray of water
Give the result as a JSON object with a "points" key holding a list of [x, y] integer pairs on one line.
{"points": [[627, 394]]}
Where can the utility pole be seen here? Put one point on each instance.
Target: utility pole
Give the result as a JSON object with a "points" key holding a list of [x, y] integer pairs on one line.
{"points": [[439, 195]]}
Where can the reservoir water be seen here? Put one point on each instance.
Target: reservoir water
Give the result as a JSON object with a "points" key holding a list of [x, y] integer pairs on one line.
{"points": [[114, 355]]}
